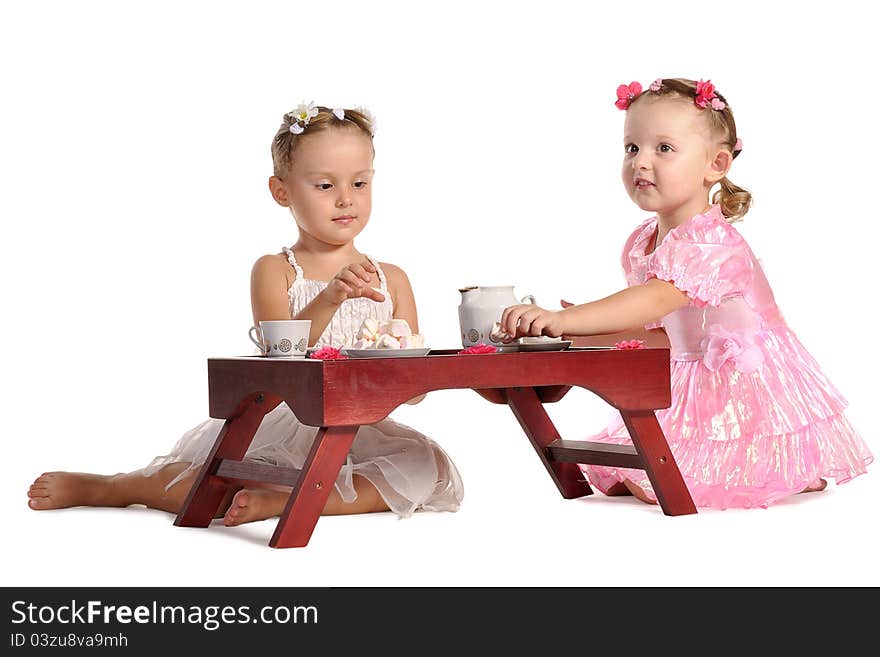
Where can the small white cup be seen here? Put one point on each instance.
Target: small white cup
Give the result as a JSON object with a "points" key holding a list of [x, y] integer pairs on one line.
{"points": [[284, 338]]}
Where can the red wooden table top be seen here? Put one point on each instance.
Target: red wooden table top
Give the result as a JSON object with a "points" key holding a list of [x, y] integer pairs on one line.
{"points": [[365, 390]]}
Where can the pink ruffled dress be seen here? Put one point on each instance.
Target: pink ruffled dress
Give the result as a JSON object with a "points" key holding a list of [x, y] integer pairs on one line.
{"points": [[753, 418]]}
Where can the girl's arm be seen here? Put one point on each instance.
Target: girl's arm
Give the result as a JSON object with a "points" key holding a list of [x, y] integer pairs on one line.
{"points": [[269, 285], [634, 306], [270, 300], [402, 295], [404, 302]]}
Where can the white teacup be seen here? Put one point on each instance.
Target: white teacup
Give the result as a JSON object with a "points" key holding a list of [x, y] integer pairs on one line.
{"points": [[283, 338]]}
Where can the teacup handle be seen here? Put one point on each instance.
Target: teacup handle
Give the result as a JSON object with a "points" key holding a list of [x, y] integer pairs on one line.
{"points": [[528, 299], [260, 344]]}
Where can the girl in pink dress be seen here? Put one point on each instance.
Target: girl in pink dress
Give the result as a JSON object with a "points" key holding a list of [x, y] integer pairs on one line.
{"points": [[753, 419]]}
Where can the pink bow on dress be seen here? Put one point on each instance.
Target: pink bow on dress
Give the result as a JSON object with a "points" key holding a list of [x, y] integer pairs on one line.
{"points": [[721, 345]]}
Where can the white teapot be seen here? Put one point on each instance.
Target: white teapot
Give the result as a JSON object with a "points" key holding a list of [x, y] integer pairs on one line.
{"points": [[481, 306]]}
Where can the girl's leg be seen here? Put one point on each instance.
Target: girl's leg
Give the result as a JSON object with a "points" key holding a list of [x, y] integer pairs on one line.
{"points": [[59, 490], [266, 501]]}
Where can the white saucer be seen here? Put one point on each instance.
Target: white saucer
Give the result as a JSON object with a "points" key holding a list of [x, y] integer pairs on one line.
{"points": [[547, 345], [385, 353]]}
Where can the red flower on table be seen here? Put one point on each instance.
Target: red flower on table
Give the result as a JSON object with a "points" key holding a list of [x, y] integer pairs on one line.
{"points": [[630, 344], [328, 353], [479, 349]]}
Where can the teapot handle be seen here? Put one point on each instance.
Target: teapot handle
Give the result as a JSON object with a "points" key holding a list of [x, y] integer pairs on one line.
{"points": [[529, 298]]}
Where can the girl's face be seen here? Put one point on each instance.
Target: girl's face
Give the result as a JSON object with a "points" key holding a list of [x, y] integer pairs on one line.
{"points": [[328, 187], [670, 158]]}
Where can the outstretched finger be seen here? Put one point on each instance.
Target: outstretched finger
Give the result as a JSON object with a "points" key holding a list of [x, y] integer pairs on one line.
{"points": [[373, 293]]}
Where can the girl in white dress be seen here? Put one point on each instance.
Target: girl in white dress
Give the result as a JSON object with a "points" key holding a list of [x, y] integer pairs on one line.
{"points": [[323, 173]]}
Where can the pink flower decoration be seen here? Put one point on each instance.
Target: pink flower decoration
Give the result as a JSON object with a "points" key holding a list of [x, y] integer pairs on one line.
{"points": [[738, 146], [721, 345], [626, 94], [630, 344], [479, 349], [656, 85], [328, 353], [706, 96]]}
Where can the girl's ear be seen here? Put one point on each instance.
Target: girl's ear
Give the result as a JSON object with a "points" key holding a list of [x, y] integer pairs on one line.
{"points": [[279, 191], [719, 166]]}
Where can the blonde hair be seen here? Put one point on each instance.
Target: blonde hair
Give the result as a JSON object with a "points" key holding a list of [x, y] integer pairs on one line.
{"points": [[734, 200], [284, 143]]}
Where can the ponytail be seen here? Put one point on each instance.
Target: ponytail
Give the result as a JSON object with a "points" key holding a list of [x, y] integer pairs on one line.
{"points": [[734, 201]]}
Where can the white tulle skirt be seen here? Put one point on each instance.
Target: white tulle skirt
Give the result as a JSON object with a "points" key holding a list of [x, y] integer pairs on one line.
{"points": [[409, 470]]}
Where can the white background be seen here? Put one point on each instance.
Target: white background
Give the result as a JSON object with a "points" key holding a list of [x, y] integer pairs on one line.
{"points": [[135, 153]]}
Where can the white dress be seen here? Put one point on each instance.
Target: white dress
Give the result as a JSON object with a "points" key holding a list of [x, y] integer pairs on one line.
{"points": [[408, 469]]}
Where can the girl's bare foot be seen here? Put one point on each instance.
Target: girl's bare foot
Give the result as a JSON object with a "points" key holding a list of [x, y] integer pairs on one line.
{"points": [[817, 485], [59, 490], [638, 492], [618, 489], [250, 504]]}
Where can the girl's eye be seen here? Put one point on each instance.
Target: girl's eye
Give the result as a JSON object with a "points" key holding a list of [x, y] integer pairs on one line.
{"points": [[631, 148], [665, 148], [324, 186], [360, 184]]}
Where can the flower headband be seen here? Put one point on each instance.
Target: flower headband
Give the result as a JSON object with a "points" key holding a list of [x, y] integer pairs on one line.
{"points": [[705, 95], [704, 98], [299, 118]]}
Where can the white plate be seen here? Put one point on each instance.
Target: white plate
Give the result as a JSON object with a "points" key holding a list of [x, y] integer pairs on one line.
{"points": [[385, 353], [549, 345]]}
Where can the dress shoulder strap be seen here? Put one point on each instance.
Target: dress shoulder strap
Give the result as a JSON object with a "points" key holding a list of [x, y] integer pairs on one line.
{"points": [[383, 284], [289, 253]]}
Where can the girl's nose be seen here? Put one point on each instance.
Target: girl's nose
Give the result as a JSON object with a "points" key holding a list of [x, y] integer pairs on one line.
{"points": [[642, 161], [343, 201]]}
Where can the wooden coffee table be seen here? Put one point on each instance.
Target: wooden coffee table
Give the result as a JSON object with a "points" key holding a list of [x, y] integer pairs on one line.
{"points": [[340, 395]]}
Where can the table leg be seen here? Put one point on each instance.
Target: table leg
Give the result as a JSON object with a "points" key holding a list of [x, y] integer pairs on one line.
{"points": [[659, 465], [315, 482], [232, 443], [529, 410]]}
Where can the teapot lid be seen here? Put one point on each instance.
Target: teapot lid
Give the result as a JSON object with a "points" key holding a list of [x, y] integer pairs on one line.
{"points": [[470, 287]]}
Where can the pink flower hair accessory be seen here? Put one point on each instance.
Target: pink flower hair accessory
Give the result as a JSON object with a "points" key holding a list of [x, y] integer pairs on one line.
{"points": [[656, 85], [706, 96], [479, 349], [328, 353], [738, 146], [630, 344], [626, 94]]}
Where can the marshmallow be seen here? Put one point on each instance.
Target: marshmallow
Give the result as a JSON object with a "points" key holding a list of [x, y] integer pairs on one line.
{"points": [[369, 329], [399, 328], [387, 341], [414, 341], [497, 335], [387, 334]]}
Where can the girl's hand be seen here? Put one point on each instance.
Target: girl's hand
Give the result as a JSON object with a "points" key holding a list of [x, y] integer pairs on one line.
{"points": [[353, 282], [530, 320]]}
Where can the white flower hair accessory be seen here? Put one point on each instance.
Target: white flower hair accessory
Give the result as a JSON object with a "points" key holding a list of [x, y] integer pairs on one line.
{"points": [[300, 117], [339, 113], [370, 118]]}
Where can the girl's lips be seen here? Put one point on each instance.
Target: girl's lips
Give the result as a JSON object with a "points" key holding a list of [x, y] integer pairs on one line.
{"points": [[344, 220]]}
